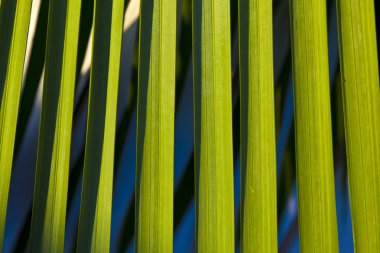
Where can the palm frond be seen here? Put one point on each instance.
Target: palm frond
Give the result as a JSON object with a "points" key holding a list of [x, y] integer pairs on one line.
{"points": [[258, 144], [314, 153], [14, 25], [51, 183], [213, 126], [155, 127], [96, 201], [361, 100]]}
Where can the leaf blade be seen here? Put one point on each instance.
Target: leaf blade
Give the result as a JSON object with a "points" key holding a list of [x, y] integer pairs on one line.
{"points": [[53, 159], [155, 127], [213, 126], [96, 202], [314, 154], [14, 25], [361, 102], [258, 144]]}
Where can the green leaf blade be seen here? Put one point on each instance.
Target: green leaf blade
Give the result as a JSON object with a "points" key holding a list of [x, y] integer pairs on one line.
{"points": [[213, 126], [155, 134], [50, 196], [95, 213], [258, 143], [314, 154], [14, 25], [361, 101]]}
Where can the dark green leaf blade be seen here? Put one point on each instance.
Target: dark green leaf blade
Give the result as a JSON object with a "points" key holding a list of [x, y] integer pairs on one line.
{"points": [[14, 25], [95, 213], [51, 182]]}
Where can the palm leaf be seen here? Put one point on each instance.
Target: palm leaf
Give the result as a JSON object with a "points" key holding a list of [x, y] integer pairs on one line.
{"points": [[213, 126], [155, 134], [49, 207], [95, 213], [33, 73], [14, 24], [258, 144], [314, 155], [361, 100]]}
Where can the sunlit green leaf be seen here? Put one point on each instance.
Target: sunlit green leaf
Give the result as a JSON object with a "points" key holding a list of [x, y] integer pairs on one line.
{"points": [[213, 126], [314, 154], [258, 144], [95, 214], [14, 24], [49, 207], [155, 134], [361, 99]]}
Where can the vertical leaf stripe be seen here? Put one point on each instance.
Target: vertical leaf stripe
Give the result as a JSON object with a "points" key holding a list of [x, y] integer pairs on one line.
{"points": [[361, 100], [53, 159], [95, 212], [14, 25], [258, 144], [213, 126], [155, 126], [314, 155]]}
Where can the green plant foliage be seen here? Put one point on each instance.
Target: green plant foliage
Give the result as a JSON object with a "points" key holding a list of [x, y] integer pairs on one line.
{"points": [[76, 54], [258, 143], [51, 182], [95, 213], [314, 155], [155, 134], [14, 24], [33, 74], [213, 126], [361, 100]]}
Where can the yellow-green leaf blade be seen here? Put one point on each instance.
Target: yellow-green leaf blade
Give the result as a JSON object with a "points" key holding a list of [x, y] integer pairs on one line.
{"points": [[314, 155], [155, 126], [361, 99], [95, 214], [213, 126], [14, 25], [49, 206], [258, 143]]}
